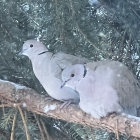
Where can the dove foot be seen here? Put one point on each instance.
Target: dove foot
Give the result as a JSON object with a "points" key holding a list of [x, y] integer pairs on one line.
{"points": [[66, 103], [49, 99]]}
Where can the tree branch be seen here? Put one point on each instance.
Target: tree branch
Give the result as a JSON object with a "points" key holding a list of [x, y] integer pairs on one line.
{"points": [[29, 99]]}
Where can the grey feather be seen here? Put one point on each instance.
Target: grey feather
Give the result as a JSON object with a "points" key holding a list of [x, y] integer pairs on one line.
{"points": [[124, 82]]}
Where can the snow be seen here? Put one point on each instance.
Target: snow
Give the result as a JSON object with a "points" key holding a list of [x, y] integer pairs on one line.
{"points": [[56, 127], [101, 34], [17, 86], [131, 117], [91, 2], [135, 56], [49, 107], [26, 7], [24, 104]]}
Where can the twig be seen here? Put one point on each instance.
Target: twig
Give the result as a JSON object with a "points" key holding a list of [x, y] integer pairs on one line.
{"points": [[13, 127], [5, 105], [121, 46], [39, 126], [138, 74], [135, 13], [3, 108], [129, 46], [45, 129], [24, 122], [117, 132]]}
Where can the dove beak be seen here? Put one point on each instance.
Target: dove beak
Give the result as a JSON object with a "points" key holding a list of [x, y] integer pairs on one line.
{"points": [[21, 52], [64, 83]]}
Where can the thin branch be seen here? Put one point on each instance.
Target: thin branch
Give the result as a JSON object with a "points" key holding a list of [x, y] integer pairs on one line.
{"points": [[117, 132], [24, 122], [135, 13], [45, 129], [39, 126], [13, 127], [5, 105], [3, 110]]}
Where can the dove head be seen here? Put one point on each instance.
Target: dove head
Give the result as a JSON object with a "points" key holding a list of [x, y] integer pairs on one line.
{"points": [[72, 75], [32, 48]]}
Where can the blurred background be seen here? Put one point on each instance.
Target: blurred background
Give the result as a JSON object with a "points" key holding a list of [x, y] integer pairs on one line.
{"points": [[95, 29]]}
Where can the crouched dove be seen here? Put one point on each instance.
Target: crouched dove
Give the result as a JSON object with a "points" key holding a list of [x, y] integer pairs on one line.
{"points": [[104, 87], [47, 68]]}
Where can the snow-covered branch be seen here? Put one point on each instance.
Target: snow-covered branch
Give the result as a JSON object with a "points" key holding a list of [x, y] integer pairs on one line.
{"points": [[14, 95]]}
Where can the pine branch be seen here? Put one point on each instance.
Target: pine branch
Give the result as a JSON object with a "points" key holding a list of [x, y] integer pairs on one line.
{"points": [[13, 127], [25, 124], [32, 101], [45, 130], [39, 126]]}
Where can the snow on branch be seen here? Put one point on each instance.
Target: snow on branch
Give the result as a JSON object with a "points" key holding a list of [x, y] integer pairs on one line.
{"points": [[17, 95]]}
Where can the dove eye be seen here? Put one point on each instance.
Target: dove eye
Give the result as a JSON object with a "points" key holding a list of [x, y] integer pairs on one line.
{"points": [[72, 75], [31, 45]]}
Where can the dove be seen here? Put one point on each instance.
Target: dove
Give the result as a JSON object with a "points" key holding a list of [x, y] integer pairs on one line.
{"points": [[47, 67], [104, 87]]}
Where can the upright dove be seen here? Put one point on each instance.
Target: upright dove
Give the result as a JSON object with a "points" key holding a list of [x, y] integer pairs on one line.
{"points": [[104, 87], [47, 68]]}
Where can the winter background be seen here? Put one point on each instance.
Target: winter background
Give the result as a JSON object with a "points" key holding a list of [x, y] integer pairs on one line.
{"points": [[97, 30]]}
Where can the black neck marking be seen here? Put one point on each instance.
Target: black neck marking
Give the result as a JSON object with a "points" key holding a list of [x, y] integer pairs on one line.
{"points": [[85, 71], [43, 52]]}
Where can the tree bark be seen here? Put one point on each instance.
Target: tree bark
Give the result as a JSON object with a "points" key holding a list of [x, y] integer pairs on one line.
{"points": [[29, 99]]}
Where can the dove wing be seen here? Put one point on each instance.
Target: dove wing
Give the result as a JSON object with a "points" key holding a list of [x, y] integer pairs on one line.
{"points": [[127, 87], [124, 82]]}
